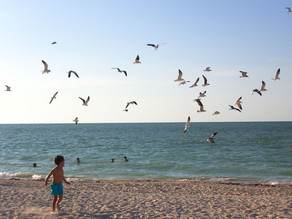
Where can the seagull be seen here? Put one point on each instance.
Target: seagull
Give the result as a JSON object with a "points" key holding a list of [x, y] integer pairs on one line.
{"points": [[85, 102], [288, 10], [132, 102], [205, 81], [53, 97], [121, 71], [54, 42], [7, 88], [263, 86], [234, 108], [76, 120], [196, 83], [202, 94], [238, 103], [137, 60], [256, 91], [277, 75], [211, 138], [187, 124], [179, 77], [154, 46], [72, 72], [183, 82], [208, 69], [243, 74], [201, 105], [216, 113], [46, 70]]}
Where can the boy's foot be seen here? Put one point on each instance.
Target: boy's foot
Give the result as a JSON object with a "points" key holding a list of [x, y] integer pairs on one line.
{"points": [[59, 208]]}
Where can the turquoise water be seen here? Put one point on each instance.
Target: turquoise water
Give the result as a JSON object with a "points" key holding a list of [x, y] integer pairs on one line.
{"points": [[243, 152]]}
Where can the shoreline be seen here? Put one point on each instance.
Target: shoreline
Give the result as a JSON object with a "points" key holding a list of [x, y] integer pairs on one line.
{"points": [[146, 199]]}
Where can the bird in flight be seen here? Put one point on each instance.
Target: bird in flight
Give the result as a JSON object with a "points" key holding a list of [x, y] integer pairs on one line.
{"points": [[201, 106], [205, 82], [263, 87], [196, 83], [238, 103], [54, 43], [288, 10], [202, 94], [85, 102], [179, 77], [7, 88], [137, 60], [183, 82], [208, 69], [46, 70], [277, 75], [243, 74], [72, 72], [216, 113], [256, 91], [234, 108], [121, 71], [131, 102], [76, 120], [187, 124], [154, 46], [211, 138], [53, 97]]}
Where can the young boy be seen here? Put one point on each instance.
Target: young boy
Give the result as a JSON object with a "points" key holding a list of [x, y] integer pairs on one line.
{"points": [[58, 178]]}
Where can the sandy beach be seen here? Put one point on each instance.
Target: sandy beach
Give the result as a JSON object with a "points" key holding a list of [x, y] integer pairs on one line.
{"points": [[146, 199]]}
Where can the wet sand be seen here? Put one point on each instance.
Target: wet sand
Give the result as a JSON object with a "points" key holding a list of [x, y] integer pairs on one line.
{"points": [[146, 199]]}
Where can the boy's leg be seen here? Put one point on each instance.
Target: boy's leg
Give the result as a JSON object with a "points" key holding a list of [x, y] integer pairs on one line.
{"points": [[59, 200], [54, 202]]}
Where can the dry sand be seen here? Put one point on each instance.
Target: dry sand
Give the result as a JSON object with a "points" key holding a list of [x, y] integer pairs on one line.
{"points": [[146, 199]]}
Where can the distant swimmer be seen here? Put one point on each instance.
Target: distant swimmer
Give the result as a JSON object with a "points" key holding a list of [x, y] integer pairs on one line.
{"points": [[34, 164], [77, 160], [211, 138], [126, 159], [113, 160]]}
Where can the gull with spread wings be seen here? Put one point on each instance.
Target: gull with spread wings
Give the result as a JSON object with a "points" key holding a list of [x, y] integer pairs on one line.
{"points": [[46, 70], [85, 103], [53, 97]]}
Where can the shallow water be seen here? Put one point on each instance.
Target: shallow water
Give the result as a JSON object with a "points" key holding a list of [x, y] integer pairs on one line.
{"points": [[243, 152]]}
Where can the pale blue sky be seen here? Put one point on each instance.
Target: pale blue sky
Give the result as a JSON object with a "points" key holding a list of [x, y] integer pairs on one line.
{"points": [[94, 36]]}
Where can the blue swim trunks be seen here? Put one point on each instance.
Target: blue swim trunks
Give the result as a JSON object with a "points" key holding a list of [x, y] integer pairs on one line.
{"points": [[57, 189]]}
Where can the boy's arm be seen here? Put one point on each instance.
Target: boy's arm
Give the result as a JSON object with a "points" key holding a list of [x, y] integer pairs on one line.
{"points": [[48, 177], [66, 181]]}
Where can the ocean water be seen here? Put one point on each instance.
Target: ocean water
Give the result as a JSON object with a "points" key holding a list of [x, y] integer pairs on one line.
{"points": [[247, 152]]}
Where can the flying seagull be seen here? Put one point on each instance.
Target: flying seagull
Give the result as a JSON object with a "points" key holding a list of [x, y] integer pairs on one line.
{"points": [[263, 87], [208, 69], [7, 88], [238, 103], [121, 71], [234, 108], [46, 70], [202, 94], [277, 75], [187, 124], [216, 113], [131, 102], [154, 46], [205, 81], [256, 91], [243, 74], [196, 83], [85, 102], [54, 97], [76, 120], [72, 72], [179, 77], [137, 60], [201, 106], [183, 82], [288, 10], [211, 138]]}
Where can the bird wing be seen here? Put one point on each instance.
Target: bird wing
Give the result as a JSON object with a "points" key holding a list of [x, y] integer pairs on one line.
{"points": [[238, 103], [134, 102], [179, 75], [127, 105], [277, 73], [137, 58], [212, 136], [125, 73], [82, 99], [45, 64], [205, 79], [150, 44], [187, 124], [88, 98], [263, 85], [56, 94], [199, 102], [75, 73]]}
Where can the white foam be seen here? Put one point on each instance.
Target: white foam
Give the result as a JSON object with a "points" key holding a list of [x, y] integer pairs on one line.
{"points": [[6, 175], [37, 177]]}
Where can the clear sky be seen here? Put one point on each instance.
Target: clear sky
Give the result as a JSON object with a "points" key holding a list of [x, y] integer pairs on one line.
{"points": [[95, 36]]}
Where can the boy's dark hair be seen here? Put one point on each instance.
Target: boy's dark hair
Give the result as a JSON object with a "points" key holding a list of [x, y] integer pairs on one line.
{"points": [[58, 159]]}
